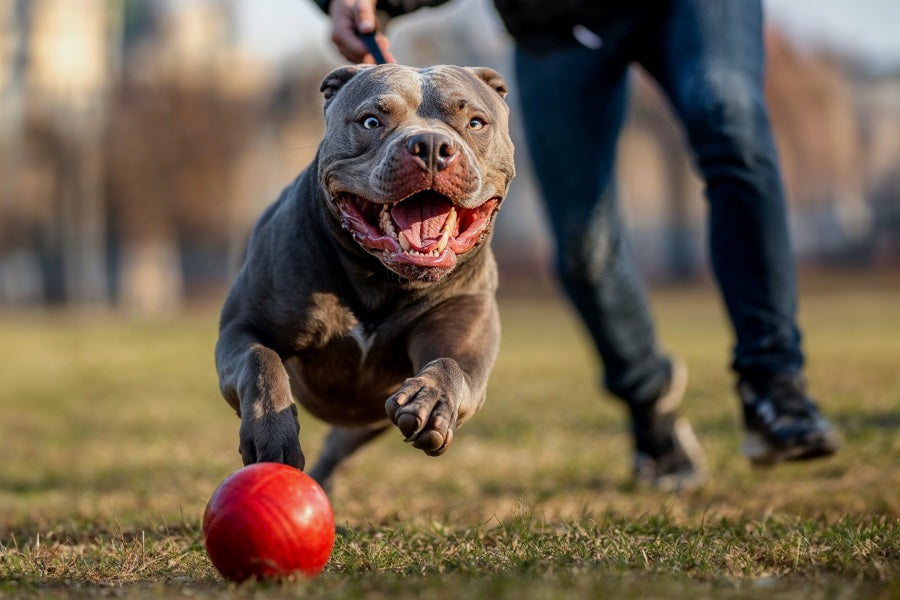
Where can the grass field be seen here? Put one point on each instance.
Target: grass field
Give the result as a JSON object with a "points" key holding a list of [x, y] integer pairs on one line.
{"points": [[113, 436]]}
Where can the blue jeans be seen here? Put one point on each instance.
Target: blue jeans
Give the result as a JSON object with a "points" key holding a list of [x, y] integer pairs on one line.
{"points": [[708, 59]]}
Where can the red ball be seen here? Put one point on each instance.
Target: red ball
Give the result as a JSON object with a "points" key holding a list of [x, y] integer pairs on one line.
{"points": [[268, 521]]}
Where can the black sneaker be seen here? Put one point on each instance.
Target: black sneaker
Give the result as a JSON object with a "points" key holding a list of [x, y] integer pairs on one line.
{"points": [[783, 423], [668, 456]]}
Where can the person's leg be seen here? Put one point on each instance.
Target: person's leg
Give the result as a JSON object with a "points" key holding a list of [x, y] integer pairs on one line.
{"points": [[572, 107], [573, 104], [708, 57]]}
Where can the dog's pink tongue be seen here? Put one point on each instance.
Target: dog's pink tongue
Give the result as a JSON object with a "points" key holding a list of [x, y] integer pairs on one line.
{"points": [[421, 219]]}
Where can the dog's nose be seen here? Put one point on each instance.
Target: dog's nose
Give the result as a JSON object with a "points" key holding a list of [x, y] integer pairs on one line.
{"points": [[435, 150]]}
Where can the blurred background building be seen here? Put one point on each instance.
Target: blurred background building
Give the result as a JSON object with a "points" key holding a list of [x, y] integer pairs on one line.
{"points": [[140, 140]]}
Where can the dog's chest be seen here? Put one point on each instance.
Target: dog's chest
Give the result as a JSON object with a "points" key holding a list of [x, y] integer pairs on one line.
{"points": [[344, 370]]}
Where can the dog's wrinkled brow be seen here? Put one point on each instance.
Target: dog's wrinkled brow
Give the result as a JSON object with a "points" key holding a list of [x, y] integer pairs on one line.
{"points": [[449, 93], [391, 103]]}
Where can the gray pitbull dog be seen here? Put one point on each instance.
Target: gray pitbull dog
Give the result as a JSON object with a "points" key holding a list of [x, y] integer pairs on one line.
{"points": [[367, 292]]}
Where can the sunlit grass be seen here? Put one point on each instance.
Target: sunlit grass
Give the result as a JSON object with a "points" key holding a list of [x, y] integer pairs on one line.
{"points": [[113, 435]]}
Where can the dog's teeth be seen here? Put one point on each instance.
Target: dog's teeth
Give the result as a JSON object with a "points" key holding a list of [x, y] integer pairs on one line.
{"points": [[387, 224], [448, 229], [404, 243], [451, 220]]}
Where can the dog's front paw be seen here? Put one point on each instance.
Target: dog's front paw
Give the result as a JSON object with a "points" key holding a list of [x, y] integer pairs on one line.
{"points": [[272, 437], [425, 410]]}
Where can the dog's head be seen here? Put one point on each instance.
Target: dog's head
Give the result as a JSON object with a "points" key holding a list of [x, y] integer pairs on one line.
{"points": [[416, 162]]}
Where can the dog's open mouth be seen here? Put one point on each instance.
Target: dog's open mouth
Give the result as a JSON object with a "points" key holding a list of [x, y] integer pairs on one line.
{"points": [[426, 229]]}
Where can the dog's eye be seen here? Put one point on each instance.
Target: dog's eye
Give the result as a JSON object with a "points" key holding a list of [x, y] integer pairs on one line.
{"points": [[476, 123], [371, 123]]}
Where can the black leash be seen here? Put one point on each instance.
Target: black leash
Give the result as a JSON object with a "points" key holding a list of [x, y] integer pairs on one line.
{"points": [[369, 40]]}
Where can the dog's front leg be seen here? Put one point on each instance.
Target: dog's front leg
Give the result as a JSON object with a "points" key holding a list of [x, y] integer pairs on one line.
{"points": [[254, 382], [452, 349]]}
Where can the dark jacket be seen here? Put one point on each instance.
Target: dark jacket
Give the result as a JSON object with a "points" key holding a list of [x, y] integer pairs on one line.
{"points": [[534, 24]]}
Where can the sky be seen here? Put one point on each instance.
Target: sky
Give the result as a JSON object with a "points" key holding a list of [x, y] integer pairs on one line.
{"points": [[868, 29]]}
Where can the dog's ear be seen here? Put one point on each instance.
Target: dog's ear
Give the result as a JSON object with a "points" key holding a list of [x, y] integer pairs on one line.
{"points": [[335, 80], [492, 78]]}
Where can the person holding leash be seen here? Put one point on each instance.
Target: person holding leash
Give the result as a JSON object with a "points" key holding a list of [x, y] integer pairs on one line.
{"points": [[571, 62]]}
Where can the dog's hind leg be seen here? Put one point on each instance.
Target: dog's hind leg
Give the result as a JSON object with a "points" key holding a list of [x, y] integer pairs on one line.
{"points": [[340, 444]]}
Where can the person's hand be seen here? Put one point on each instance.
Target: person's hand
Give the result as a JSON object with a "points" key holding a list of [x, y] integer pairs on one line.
{"points": [[349, 18]]}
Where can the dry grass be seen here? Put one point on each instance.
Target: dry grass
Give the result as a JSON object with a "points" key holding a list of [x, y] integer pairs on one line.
{"points": [[113, 435]]}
